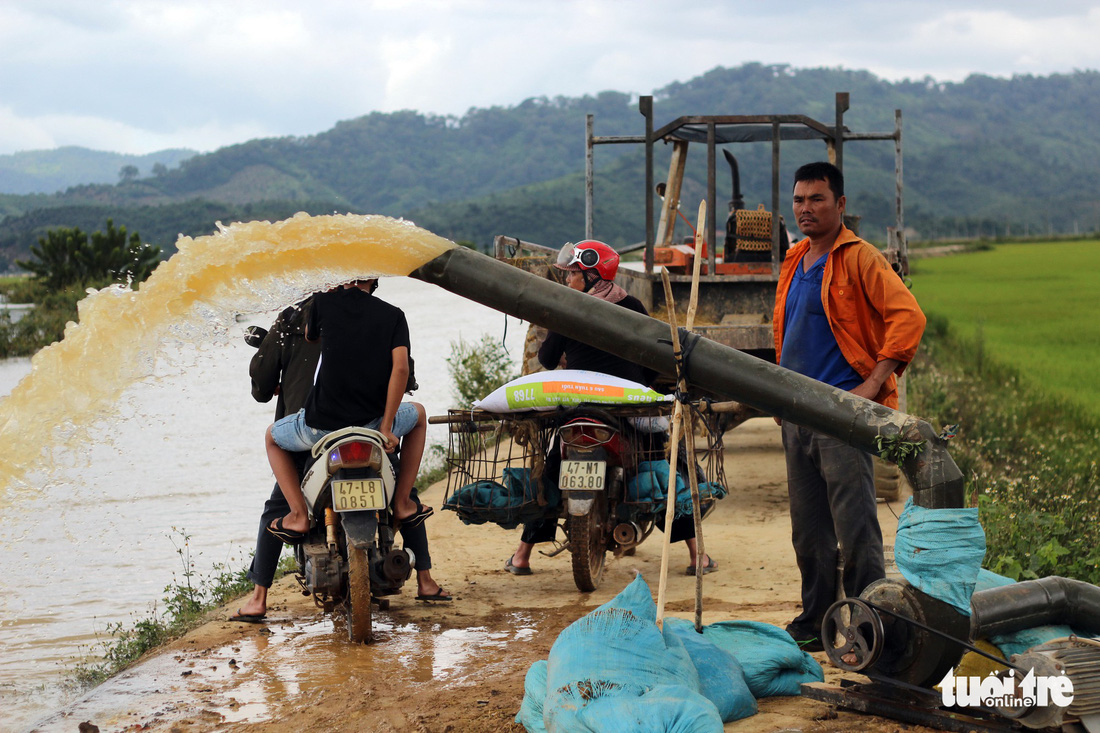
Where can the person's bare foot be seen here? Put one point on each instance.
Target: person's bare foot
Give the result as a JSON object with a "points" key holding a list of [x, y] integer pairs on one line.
{"points": [[432, 589], [293, 522]]}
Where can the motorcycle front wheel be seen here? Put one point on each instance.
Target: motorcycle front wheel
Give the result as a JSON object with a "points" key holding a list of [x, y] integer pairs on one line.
{"points": [[357, 608], [588, 546]]}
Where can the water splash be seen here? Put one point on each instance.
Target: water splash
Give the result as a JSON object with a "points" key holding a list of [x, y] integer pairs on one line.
{"points": [[190, 298]]}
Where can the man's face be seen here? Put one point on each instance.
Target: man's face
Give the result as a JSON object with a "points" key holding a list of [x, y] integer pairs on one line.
{"points": [[816, 210]]}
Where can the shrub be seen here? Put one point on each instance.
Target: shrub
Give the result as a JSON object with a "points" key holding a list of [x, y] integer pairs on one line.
{"points": [[1028, 458], [478, 368]]}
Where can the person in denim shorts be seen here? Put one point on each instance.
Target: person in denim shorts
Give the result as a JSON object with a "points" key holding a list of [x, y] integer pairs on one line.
{"points": [[362, 376]]}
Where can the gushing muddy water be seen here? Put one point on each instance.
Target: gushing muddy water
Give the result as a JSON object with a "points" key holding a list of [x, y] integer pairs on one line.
{"points": [[141, 421]]}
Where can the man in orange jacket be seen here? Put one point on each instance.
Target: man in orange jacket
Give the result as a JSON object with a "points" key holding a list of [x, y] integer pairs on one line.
{"points": [[844, 317]]}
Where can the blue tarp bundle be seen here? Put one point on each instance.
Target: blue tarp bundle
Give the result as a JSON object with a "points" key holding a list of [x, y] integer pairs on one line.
{"points": [[772, 661], [650, 484], [510, 503], [615, 671], [940, 551], [721, 677]]}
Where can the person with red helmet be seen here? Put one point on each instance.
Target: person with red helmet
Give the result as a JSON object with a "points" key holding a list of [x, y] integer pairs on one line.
{"points": [[590, 267]]}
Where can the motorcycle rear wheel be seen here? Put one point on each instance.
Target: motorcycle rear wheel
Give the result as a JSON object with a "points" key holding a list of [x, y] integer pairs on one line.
{"points": [[588, 546], [357, 610]]}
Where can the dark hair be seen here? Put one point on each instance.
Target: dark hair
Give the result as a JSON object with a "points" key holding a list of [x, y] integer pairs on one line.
{"points": [[822, 171]]}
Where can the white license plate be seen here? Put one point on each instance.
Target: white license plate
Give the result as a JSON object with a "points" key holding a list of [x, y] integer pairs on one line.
{"points": [[358, 495], [582, 475]]}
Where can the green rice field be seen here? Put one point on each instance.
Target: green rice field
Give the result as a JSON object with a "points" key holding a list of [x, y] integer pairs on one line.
{"points": [[1033, 306]]}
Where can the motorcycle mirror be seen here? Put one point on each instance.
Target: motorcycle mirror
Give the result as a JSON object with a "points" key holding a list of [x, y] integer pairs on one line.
{"points": [[254, 336]]}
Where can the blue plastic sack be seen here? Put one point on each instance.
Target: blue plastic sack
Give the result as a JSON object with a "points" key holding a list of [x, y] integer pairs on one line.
{"points": [[509, 504], [1018, 642], [613, 671], [721, 679], [534, 696], [940, 551], [650, 483], [772, 662], [663, 709]]}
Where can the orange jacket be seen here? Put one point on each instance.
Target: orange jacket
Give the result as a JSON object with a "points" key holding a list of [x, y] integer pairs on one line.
{"points": [[873, 316]]}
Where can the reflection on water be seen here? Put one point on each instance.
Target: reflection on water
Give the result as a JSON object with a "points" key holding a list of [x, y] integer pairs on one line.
{"points": [[238, 682], [92, 545]]}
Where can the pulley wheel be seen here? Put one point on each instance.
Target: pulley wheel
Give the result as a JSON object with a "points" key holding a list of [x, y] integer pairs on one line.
{"points": [[852, 635]]}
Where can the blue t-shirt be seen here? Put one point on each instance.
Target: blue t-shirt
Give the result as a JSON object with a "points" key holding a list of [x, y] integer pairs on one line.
{"points": [[809, 346]]}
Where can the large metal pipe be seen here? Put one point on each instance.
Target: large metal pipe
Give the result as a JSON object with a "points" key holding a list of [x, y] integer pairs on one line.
{"points": [[1051, 600], [717, 369]]}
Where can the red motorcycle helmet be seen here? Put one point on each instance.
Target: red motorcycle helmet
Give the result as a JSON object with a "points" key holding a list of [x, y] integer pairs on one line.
{"points": [[589, 255]]}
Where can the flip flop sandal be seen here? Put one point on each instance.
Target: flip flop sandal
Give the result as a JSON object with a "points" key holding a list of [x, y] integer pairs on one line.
{"points": [[439, 596], [422, 513], [289, 536], [248, 618], [710, 567], [515, 570]]}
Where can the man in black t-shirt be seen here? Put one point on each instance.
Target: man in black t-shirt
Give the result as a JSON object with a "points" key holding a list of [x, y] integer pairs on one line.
{"points": [[362, 375]]}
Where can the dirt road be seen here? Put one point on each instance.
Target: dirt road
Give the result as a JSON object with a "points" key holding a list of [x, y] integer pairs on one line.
{"points": [[460, 667]]}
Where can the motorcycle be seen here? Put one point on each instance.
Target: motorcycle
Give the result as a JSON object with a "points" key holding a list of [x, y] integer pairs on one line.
{"points": [[596, 470], [348, 559]]}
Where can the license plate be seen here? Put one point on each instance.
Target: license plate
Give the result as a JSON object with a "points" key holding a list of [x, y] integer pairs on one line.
{"points": [[358, 495], [582, 475]]}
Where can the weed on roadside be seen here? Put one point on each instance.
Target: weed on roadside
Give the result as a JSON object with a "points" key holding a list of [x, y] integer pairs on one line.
{"points": [[1029, 458], [186, 601]]}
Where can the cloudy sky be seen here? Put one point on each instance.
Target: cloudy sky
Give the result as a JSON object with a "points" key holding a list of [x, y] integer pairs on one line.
{"points": [[142, 75]]}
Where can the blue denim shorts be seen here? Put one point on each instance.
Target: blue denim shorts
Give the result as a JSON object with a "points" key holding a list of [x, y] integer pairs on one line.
{"points": [[292, 434]]}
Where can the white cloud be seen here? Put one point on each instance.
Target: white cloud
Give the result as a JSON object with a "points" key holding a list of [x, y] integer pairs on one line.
{"points": [[129, 74]]}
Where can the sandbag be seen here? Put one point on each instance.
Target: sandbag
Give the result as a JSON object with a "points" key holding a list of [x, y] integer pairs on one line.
{"points": [[721, 678], [662, 709], [772, 662], [566, 387], [534, 696], [612, 670], [940, 551]]}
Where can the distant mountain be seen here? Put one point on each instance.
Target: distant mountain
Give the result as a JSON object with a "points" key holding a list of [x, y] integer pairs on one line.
{"points": [[49, 171], [982, 156]]}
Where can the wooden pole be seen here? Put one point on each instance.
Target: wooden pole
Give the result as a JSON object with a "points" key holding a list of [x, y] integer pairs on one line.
{"points": [[689, 429], [670, 496], [678, 424]]}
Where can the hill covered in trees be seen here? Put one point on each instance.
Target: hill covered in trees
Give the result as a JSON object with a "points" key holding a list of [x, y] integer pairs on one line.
{"points": [[982, 156]]}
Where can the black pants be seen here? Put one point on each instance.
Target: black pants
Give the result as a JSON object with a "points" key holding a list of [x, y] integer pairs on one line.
{"points": [[268, 547], [543, 530], [832, 494]]}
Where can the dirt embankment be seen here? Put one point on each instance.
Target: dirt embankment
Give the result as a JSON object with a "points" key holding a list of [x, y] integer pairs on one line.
{"points": [[460, 667]]}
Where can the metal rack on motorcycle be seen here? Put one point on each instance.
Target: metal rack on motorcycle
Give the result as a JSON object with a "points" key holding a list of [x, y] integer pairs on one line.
{"points": [[496, 467], [504, 468]]}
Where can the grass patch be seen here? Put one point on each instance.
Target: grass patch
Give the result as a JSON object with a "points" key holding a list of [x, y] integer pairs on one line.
{"points": [[186, 601], [1031, 306], [1029, 457]]}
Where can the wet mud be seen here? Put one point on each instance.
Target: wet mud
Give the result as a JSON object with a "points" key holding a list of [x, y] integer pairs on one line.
{"points": [[460, 666]]}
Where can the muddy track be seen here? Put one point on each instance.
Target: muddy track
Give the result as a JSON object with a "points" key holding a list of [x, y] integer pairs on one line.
{"points": [[460, 667]]}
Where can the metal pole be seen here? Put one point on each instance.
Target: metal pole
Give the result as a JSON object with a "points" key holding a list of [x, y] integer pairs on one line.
{"points": [[588, 176], [903, 246], [712, 234], [645, 106], [775, 199], [842, 103]]}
